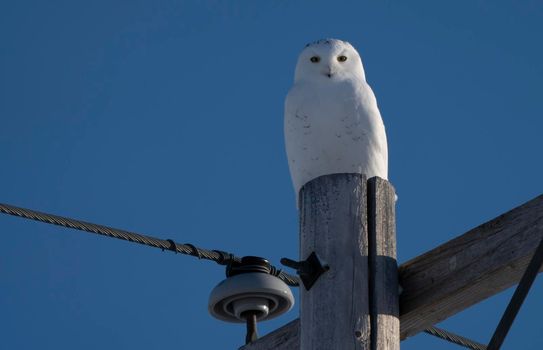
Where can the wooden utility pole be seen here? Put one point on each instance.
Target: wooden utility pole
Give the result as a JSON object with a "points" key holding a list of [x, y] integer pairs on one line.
{"points": [[335, 312], [448, 279], [384, 291], [349, 223]]}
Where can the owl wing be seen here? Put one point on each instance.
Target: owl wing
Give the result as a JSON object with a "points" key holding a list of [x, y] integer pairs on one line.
{"points": [[296, 119], [367, 109]]}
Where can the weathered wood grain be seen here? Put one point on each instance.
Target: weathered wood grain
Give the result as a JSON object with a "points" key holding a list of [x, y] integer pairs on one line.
{"points": [[462, 272], [383, 269], [334, 313], [284, 338], [470, 268]]}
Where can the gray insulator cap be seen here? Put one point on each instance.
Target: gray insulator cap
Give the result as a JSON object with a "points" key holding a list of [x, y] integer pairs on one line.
{"points": [[262, 293]]}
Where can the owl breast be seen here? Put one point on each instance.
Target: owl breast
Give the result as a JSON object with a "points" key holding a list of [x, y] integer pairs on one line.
{"points": [[333, 128]]}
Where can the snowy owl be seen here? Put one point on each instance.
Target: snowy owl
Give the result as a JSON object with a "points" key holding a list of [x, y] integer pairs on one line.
{"points": [[332, 123]]}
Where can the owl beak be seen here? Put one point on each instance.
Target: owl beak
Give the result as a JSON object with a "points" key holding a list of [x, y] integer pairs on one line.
{"points": [[329, 72]]}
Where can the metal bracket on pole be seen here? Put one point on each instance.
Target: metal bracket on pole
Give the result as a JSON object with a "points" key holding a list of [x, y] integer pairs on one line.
{"points": [[309, 270]]}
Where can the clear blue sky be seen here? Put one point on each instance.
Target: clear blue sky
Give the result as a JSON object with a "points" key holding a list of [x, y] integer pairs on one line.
{"points": [[166, 117]]}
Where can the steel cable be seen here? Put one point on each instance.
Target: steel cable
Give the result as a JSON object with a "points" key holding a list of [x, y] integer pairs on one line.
{"points": [[220, 257], [454, 338]]}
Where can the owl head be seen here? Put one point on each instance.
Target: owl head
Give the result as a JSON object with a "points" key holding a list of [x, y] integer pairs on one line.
{"points": [[328, 59]]}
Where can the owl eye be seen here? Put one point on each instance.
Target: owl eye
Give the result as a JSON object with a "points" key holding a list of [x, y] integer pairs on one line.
{"points": [[315, 59], [342, 58]]}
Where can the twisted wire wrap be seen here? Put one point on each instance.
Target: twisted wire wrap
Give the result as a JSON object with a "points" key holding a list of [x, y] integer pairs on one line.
{"points": [[220, 257], [454, 338]]}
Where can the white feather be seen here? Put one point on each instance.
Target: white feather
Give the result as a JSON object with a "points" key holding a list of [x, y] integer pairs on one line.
{"points": [[332, 123]]}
